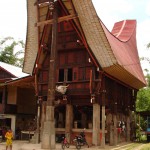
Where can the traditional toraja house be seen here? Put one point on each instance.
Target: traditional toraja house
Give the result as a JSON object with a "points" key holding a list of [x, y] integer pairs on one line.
{"points": [[17, 94], [86, 76]]}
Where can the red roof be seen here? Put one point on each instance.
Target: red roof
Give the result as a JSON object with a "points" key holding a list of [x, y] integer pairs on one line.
{"points": [[122, 40]]}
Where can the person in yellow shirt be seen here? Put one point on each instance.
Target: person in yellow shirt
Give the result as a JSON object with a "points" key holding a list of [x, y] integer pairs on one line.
{"points": [[9, 137]]}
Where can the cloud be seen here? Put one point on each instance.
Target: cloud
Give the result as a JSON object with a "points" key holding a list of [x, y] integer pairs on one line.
{"points": [[143, 36], [13, 18], [121, 6], [111, 11], [147, 10], [117, 10]]}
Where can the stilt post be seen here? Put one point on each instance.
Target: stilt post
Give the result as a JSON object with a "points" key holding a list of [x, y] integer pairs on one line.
{"points": [[48, 140]]}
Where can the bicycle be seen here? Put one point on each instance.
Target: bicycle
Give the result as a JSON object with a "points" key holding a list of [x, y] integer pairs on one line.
{"points": [[65, 143]]}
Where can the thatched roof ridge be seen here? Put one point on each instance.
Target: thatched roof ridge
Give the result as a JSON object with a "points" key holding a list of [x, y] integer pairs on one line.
{"points": [[94, 33], [31, 38]]}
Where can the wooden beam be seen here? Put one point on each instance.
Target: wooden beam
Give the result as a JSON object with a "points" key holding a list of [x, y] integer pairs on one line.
{"points": [[40, 2], [52, 62], [60, 19]]}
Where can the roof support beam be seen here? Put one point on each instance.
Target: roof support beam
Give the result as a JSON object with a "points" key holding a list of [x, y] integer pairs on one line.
{"points": [[40, 2], [60, 19]]}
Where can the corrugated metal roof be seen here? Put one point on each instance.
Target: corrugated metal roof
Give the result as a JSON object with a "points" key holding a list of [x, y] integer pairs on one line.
{"points": [[15, 71]]}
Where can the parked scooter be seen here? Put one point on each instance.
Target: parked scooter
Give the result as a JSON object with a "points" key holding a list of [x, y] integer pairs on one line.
{"points": [[80, 140]]}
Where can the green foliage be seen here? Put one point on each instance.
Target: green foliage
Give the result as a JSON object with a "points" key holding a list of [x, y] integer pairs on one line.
{"points": [[143, 100], [145, 58], [148, 45], [143, 97], [148, 80], [11, 51]]}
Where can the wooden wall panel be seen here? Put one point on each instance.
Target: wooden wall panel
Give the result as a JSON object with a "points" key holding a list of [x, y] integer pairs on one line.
{"points": [[62, 59], [80, 56], [70, 58], [25, 101], [5, 74], [67, 26], [81, 73], [75, 74], [12, 95], [88, 69], [1, 108], [45, 76]]}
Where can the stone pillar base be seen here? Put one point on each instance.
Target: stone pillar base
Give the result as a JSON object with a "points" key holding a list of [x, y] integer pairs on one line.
{"points": [[96, 125], [48, 137]]}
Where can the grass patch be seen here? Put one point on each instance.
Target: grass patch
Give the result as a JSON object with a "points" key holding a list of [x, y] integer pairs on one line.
{"points": [[146, 147], [133, 146]]}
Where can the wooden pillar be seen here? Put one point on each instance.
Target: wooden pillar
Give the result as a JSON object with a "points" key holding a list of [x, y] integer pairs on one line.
{"points": [[103, 127], [60, 120], [96, 125], [103, 111], [4, 100], [84, 120], [37, 132], [43, 117], [48, 139], [111, 142], [109, 128], [115, 130], [115, 113], [128, 128], [69, 121]]}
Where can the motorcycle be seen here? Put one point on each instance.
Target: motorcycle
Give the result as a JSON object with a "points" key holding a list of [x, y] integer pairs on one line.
{"points": [[80, 140]]}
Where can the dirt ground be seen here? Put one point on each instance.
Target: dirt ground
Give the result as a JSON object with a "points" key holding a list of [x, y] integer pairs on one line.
{"points": [[25, 145]]}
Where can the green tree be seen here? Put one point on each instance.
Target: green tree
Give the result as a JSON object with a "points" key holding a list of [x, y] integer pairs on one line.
{"points": [[11, 51], [143, 97]]}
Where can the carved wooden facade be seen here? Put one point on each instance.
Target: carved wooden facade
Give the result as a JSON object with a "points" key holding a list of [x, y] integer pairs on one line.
{"points": [[101, 88]]}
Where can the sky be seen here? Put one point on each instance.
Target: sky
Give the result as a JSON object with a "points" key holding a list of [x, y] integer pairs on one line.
{"points": [[13, 19], [111, 11]]}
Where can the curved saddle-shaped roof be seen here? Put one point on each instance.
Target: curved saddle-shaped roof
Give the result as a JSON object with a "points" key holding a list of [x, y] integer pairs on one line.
{"points": [[116, 53], [123, 44]]}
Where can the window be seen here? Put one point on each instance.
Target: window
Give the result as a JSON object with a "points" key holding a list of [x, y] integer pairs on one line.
{"points": [[69, 74], [96, 74], [61, 75], [65, 75]]}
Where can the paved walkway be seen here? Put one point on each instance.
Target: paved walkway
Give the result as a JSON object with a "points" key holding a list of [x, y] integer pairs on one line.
{"points": [[25, 145]]}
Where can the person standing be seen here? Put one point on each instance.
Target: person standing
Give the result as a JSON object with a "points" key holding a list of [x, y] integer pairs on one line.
{"points": [[9, 137]]}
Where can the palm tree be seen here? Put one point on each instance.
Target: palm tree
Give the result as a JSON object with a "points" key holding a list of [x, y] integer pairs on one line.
{"points": [[11, 51]]}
